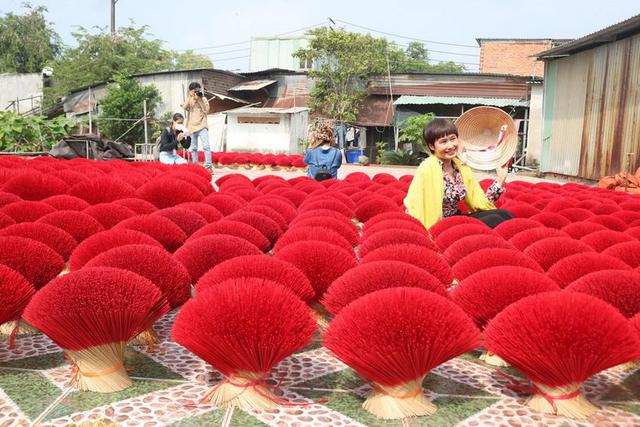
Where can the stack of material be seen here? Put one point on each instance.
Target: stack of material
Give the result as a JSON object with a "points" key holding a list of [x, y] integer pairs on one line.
{"points": [[90, 147]]}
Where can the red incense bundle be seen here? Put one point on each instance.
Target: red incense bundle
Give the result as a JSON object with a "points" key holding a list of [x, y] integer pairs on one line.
{"points": [[78, 224], [109, 214], [15, 293], [299, 234], [486, 293], [466, 245], [558, 340], [601, 240], [321, 262], [492, 257], [573, 267], [621, 289], [153, 263], [102, 190], [394, 237], [346, 229], [628, 252], [374, 276], [243, 329], [57, 239], [426, 259], [92, 314], [547, 252], [202, 254], [393, 338], [234, 228], [187, 220], [259, 267], [65, 202], [37, 262], [165, 192], [158, 227]]}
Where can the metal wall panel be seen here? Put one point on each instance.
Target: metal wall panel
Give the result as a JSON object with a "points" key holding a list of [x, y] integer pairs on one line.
{"points": [[596, 120], [568, 113]]}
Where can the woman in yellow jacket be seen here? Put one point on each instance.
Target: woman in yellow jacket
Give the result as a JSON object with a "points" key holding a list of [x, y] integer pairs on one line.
{"points": [[443, 180]]}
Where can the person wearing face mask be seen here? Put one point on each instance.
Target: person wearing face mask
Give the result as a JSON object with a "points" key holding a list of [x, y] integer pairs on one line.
{"points": [[443, 180], [169, 139]]}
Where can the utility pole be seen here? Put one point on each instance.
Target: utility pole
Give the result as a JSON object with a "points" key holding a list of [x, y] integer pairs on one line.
{"points": [[113, 18]]}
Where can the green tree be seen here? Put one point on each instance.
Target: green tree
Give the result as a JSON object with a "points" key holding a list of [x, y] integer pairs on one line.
{"points": [[31, 133], [124, 100], [27, 42], [411, 129], [189, 60], [417, 61], [100, 58], [417, 52], [343, 62]]}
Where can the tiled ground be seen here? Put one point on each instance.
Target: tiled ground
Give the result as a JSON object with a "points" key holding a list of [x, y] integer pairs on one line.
{"points": [[167, 382], [467, 392]]}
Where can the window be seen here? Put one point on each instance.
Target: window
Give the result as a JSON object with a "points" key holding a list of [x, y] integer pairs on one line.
{"points": [[259, 120], [306, 64]]}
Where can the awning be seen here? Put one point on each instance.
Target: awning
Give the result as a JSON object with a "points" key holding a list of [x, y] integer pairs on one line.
{"points": [[226, 97], [252, 85], [455, 100], [375, 111]]}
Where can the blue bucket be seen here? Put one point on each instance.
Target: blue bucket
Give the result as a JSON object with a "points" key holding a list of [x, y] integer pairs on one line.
{"points": [[352, 155]]}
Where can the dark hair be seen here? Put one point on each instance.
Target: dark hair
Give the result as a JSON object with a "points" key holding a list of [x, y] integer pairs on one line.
{"points": [[177, 116], [194, 85], [436, 129]]}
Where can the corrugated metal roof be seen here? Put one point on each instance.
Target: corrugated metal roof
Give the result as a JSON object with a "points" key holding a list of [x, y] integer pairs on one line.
{"points": [[260, 110], [612, 33], [226, 97], [455, 100], [252, 85]]}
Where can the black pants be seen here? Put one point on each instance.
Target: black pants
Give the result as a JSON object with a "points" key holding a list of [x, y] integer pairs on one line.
{"points": [[493, 217]]}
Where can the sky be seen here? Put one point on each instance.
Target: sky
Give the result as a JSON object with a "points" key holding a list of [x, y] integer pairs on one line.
{"points": [[450, 27]]}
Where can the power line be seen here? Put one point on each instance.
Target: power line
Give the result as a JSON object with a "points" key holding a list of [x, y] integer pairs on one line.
{"points": [[249, 41], [229, 59], [226, 51], [440, 51], [405, 37]]}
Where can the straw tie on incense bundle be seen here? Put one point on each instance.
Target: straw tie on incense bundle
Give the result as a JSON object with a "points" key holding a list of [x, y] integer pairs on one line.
{"points": [[91, 314], [393, 338], [558, 340], [243, 328], [15, 293]]}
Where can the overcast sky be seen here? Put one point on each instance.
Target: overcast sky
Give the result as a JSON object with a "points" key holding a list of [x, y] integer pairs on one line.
{"points": [[194, 24]]}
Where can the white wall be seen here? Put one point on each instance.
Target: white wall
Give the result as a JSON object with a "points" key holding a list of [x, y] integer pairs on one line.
{"points": [[275, 52], [281, 138], [18, 86], [258, 137], [534, 134]]}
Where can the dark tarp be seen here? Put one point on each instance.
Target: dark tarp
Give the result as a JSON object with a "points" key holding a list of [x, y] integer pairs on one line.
{"points": [[98, 148]]}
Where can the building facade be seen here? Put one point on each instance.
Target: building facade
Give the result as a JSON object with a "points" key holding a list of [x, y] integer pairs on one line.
{"points": [[514, 56], [591, 125], [277, 52]]}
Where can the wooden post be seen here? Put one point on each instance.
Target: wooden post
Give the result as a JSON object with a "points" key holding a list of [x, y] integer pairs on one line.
{"points": [[146, 135], [90, 113]]}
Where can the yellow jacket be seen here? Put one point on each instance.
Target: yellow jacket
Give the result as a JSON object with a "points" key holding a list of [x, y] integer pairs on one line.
{"points": [[424, 198]]}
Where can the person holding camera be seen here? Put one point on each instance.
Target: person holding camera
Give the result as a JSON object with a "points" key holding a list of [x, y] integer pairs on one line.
{"points": [[169, 139], [197, 107]]}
